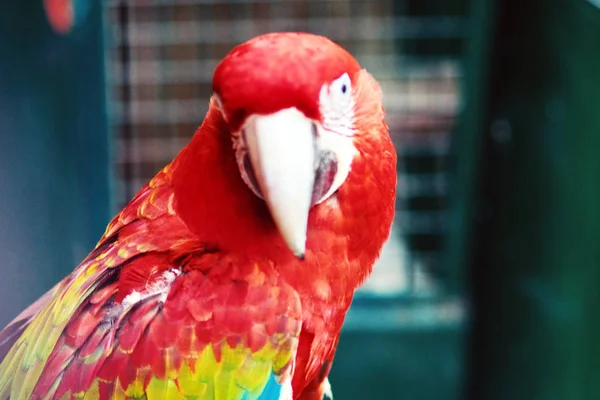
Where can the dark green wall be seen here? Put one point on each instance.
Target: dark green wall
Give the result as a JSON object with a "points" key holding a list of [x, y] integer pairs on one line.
{"points": [[54, 179], [537, 256], [403, 363]]}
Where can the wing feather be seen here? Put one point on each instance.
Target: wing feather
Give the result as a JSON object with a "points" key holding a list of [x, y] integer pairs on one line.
{"points": [[10, 334], [29, 340], [155, 316], [133, 351]]}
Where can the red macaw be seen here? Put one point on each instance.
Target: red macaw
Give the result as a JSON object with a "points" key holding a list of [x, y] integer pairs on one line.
{"points": [[228, 276]]}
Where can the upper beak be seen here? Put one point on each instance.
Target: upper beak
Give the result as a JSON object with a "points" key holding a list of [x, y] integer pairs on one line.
{"points": [[282, 150]]}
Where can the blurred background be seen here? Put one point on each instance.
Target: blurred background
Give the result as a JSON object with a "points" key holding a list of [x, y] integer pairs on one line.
{"points": [[487, 287]]}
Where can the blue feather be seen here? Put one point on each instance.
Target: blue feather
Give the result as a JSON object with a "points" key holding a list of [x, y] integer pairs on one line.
{"points": [[272, 390]]}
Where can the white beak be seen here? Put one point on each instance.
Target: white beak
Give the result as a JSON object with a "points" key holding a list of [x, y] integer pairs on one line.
{"points": [[281, 147]]}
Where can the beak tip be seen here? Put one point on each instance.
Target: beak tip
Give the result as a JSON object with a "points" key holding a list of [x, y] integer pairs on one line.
{"points": [[299, 251], [296, 241]]}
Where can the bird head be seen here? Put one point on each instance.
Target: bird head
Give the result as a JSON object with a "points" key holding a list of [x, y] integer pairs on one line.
{"points": [[304, 117]]}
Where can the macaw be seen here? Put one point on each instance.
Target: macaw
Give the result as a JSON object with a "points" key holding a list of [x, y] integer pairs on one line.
{"points": [[228, 276]]}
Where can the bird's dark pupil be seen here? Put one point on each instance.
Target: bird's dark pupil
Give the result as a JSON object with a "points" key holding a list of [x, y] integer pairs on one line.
{"points": [[344, 88]]}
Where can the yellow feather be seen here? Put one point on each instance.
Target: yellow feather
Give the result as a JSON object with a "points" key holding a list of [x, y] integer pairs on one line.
{"points": [[267, 353], [91, 270], [40, 349], [123, 253], [284, 356], [135, 389], [253, 375], [93, 393], [221, 380], [232, 358], [31, 364], [234, 391], [162, 390], [206, 365], [189, 383], [111, 262], [7, 370], [144, 247], [35, 330]]}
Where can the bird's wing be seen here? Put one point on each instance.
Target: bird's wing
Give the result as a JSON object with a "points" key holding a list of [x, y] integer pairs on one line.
{"points": [[12, 332], [204, 329], [135, 321]]}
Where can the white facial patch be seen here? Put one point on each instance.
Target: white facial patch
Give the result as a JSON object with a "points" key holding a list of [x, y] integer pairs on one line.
{"points": [[160, 285], [337, 106], [337, 130]]}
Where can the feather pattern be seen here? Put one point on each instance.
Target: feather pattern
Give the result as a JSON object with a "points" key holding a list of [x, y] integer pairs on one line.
{"points": [[156, 317]]}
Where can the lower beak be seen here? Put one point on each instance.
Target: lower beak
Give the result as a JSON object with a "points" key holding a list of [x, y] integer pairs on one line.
{"points": [[281, 147]]}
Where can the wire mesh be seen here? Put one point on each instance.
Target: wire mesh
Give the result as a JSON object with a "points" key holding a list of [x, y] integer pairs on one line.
{"points": [[161, 58]]}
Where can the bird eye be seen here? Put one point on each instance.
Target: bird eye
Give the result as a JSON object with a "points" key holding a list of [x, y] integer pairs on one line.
{"points": [[340, 92], [340, 87], [337, 105]]}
